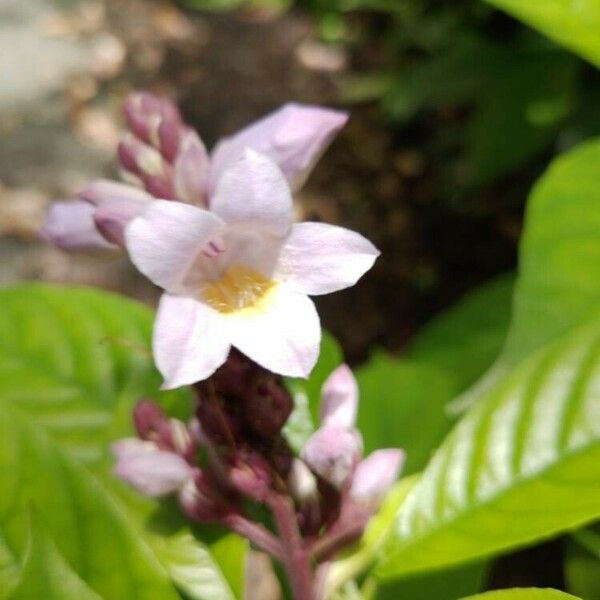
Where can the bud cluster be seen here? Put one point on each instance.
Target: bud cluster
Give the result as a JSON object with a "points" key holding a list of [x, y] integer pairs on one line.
{"points": [[160, 152], [234, 453]]}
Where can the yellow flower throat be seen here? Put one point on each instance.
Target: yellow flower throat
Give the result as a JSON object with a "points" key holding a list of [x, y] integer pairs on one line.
{"points": [[237, 288]]}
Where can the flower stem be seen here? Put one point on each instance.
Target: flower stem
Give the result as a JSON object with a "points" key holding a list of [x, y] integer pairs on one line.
{"points": [[257, 534], [295, 559]]}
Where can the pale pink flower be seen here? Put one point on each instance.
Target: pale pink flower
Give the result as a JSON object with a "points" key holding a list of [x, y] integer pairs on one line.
{"points": [[166, 157], [376, 474], [334, 450], [150, 470], [240, 275]]}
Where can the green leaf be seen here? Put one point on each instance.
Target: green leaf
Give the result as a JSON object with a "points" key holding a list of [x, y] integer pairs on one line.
{"points": [[46, 575], [523, 594], [575, 25], [72, 363], [522, 465], [519, 96], [558, 287], [582, 563], [392, 413], [447, 584], [90, 531], [465, 339]]}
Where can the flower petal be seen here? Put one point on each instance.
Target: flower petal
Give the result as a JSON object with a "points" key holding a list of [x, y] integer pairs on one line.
{"points": [[188, 342], [376, 474], [254, 191], [153, 473], [339, 398], [332, 453], [103, 191], [294, 137], [191, 170], [70, 226], [166, 238], [282, 333], [318, 258]]}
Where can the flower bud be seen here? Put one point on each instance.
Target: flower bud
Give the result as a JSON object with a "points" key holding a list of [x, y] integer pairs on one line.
{"points": [[151, 471], [332, 453], [339, 398], [112, 217], [305, 491], [200, 500], [70, 226], [147, 418], [250, 474], [191, 170], [376, 474], [168, 434], [267, 407]]}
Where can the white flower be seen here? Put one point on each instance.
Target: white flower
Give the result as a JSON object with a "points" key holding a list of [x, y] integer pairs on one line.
{"points": [[240, 274]]}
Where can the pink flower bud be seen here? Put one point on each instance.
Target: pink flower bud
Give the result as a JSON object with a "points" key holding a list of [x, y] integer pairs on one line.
{"points": [[250, 475], [191, 170], [147, 418], [158, 186], [339, 398], [169, 137], [332, 453], [151, 471], [376, 474], [70, 226]]}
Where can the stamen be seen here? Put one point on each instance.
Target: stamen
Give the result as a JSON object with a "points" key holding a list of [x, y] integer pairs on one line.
{"points": [[238, 287]]}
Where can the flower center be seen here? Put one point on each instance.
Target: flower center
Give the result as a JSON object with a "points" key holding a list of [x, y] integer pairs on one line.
{"points": [[237, 288]]}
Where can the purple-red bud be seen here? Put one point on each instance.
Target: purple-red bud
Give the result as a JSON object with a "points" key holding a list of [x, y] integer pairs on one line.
{"points": [[169, 138], [127, 157], [157, 185], [147, 417], [200, 499], [250, 474], [267, 407]]}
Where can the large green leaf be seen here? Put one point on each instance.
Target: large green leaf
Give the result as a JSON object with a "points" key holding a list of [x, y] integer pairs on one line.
{"points": [[46, 575], [558, 286], [523, 464], [576, 25], [524, 594], [582, 563], [466, 339], [72, 363], [397, 410]]}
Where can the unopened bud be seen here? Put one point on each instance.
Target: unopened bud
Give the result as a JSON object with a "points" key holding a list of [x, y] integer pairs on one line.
{"points": [[147, 417], [111, 218], [332, 453], [250, 475], [200, 501], [168, 434], [151, 471], [191, 170], [267, 408], [216, 423], [169, 137], [376, 474], [339, 398], [70, 226]]}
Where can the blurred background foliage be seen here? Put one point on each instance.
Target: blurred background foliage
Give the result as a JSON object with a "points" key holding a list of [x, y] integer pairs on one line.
{"points": [[488, 94]]}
